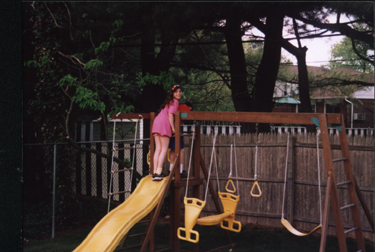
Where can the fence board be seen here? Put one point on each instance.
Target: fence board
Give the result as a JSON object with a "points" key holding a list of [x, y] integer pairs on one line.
{"points": [[266, 210]]}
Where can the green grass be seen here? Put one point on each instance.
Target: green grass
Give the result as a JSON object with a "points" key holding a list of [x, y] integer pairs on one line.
{"points": [[251, 238]]}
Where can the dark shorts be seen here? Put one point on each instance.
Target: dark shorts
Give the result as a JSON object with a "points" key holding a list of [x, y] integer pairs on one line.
{"points": [[172, 143]]}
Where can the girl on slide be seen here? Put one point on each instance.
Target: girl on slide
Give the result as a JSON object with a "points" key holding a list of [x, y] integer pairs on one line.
{"points": [[163, 128]]}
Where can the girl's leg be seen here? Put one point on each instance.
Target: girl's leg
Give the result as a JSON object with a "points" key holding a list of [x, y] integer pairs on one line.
{"points": [[164, 143], [172, 158], [157, 151]]}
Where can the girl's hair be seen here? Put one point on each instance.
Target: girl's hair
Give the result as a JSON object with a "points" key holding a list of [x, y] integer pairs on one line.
{"points": [[169, 98]]}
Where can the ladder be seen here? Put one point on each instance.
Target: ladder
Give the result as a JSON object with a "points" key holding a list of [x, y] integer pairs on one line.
{"points": [[332, 193], [113, 171]]}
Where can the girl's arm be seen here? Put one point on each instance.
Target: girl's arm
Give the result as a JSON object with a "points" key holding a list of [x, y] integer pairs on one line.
{"points": [[171, 121]]}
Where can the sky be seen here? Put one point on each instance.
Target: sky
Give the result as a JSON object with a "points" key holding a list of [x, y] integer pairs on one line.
{"points": [[319, 49]]}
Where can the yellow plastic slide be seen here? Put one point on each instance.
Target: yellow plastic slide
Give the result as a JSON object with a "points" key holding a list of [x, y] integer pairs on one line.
{"points": [[109, 231]]}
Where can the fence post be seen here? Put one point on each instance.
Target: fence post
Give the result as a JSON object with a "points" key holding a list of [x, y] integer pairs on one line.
{"points": [[88, 171], [78, 172], [290, 181], [121, 175], [54, 191], [99, 182]]}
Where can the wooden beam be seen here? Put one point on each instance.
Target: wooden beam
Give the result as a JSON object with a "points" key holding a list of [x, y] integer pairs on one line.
{"points": [[324, 232], [158, 208], [351, 189], [364, 205], [259, 117], [334, 195], [152, 144]]}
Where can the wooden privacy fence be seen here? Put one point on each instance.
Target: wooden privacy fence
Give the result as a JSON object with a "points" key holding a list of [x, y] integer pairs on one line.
{"points": [[302, 206]]}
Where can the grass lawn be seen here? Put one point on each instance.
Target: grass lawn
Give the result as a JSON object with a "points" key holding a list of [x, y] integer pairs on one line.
{"points": [[251, 238]]}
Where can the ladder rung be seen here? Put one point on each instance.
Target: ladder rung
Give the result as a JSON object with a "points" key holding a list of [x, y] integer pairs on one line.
{"points": [[113, 193], [347, 206], [123, 170], [343, 183], [350, 230], [339, 160], [126, 148]]}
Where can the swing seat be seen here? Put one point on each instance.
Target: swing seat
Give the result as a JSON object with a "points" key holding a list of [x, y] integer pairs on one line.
{"points": [[230, 202], [226, 219], [213, 219], [294, 231], [193, 208]]}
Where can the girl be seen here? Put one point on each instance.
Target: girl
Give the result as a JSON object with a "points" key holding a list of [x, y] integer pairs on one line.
{"points": [[163, 128]]}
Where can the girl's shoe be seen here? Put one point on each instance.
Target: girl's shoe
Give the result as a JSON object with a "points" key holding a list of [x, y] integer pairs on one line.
{"points": [[157, 177]]}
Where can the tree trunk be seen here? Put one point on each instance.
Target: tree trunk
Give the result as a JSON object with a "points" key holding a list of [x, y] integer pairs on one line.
{"points": [[237, 64], [152, 95], [262, 94]]}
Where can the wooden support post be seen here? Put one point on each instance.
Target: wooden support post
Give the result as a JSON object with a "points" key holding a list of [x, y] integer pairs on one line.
{"points": [[334, 196], [290, 182], [364, 205], [197, 157], [158, 207], [152, 143], [324, 232], [351, 188], [177, 190]]}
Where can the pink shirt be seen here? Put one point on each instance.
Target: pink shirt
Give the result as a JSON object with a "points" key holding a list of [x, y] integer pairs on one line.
{"points": [[161, 123]]}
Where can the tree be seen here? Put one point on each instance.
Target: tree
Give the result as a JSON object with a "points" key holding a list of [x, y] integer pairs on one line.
{"points": [[344, 56]]}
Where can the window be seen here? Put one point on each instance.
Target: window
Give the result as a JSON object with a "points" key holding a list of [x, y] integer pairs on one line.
{"points": [[333, 108], [359, 116]]}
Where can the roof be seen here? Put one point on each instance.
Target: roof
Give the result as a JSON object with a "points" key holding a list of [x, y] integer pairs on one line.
{"points": [[366, 93], [288, 100], [324, 72], [336, 91]]}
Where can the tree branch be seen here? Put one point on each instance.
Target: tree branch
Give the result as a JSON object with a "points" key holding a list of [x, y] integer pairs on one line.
{"points": [[359, 55], [52, 16], [71, 57]]}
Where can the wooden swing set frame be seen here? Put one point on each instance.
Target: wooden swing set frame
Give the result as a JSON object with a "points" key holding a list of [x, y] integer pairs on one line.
{"points": [[331, 196]]}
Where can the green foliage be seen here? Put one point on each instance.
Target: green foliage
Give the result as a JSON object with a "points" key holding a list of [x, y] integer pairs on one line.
{"points": [[128, 163], [343, 56], [94, 63], [164, 79], [86, 98], [68, 80]]}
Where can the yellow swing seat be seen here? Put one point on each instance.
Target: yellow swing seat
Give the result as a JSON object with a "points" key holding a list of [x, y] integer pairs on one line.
{"points": [[225, 219], [193, 208], [294, 231], [213, 219]]}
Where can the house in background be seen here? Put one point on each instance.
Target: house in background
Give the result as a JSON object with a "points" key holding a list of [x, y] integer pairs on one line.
{"points": [[355, 102], [357, 107]]}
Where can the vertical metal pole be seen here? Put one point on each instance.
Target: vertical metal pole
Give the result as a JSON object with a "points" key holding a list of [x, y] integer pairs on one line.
{"points": [[54, 191]]}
